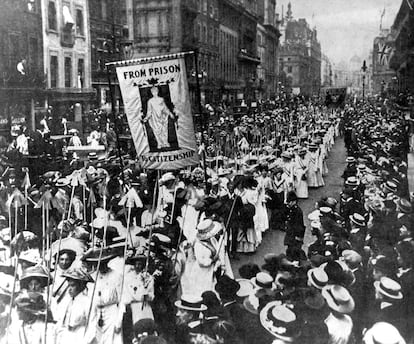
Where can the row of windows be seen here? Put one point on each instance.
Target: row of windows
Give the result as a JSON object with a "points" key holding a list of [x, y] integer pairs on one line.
{"points": [[68, 81], [52, 19], [209, 36], [205, 8], [228, 56], [16, 47]]}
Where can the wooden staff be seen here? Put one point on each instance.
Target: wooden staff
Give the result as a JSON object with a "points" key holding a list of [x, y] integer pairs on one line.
{"points": [[99, 262], [152, 221], [180, 236], [15, 217], [12, 296], [43, 231], [125, 251]]}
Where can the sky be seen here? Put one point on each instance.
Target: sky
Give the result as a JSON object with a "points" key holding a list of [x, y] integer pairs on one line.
{"points": [[345, 27]]}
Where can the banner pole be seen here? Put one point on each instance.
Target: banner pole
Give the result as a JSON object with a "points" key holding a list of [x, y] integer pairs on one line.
{"points": [[200, 111], [115, 120]]}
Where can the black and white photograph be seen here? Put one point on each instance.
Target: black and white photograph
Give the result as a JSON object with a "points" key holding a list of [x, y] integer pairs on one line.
{"points": [[207, 172]]}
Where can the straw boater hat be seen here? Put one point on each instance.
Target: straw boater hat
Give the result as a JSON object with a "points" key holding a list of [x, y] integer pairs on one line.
{"points": [[207, 229], [191, 303], [383, 333], [280, 321], [318, 278], [404, 206], [338, 298], [246, 287], [263, 280], [357, 219], [389, 288]]}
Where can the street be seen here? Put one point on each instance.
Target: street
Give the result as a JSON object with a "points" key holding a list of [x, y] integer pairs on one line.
{"points": [[273, 240]]}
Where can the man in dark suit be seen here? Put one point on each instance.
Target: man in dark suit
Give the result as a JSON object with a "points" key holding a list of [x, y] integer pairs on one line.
{"points": [[295, 227]]}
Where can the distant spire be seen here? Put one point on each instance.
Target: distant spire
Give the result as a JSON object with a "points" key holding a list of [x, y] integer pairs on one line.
{"points": [[289, 14], [382, 17]]}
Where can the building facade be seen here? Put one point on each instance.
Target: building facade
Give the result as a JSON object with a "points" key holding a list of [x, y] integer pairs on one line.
{"points": [[67, 60], [22, 78], [300, 56], [109, 36], [326, 72], [401, 59]]}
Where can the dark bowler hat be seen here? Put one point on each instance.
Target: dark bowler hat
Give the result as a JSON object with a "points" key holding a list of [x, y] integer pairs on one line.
{"points": [[227, 287]]}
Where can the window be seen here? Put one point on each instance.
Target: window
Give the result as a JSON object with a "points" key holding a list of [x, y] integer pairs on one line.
{"points": [[81, 68], [53, 71], [198, 32], [79, 22], [104, 10], [289, 69], [204, 33], [33, 52], [68, 72], [52, 16]]}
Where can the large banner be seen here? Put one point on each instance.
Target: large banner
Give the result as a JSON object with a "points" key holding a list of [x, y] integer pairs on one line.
{"points": [[158, 109]]}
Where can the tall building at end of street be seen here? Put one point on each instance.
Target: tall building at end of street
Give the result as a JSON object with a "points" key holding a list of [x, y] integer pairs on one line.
{"points": [[22, 77], [67, 59], [236, 41]]}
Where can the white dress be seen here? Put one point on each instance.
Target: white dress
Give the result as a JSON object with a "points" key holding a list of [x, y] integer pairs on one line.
{"points": [[72, 322], [107, 310], [197, 271], [135, 288], [301, 183], [313, 169]]}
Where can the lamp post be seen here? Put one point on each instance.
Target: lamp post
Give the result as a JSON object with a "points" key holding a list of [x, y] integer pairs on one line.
{"points": [[364, 70]]}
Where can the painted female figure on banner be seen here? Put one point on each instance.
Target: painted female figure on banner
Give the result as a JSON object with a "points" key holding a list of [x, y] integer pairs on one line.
{"points": [[160, 121]]}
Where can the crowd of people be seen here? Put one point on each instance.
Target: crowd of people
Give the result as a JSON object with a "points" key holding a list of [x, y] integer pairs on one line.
{"points": [[96, 253]]}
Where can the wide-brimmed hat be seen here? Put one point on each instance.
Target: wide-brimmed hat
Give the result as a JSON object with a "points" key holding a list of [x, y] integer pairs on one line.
{"points": [[93, 255], [280, 321], [325, 210], [318, 278], [77, 274], [357, 219], [227, 287], [389, 288], [404, 206], [350, 159], [286, 155], [166, 177], [302, 151], [251, 304], [39, 272], [338, 298], [223, 172], [352, 258], [383, 333], [31, 257], [191, 303], [207, 229], [136, 257], [387, 265], [246, 287]]}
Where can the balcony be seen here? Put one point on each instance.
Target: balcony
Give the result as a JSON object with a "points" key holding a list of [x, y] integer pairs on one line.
{"points": [[245, 56]]}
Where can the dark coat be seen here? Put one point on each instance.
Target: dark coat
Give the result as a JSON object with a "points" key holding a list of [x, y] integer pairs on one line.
{"points": [[295, 228]]}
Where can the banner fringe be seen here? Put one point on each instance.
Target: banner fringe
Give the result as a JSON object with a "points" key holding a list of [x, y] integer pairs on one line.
{"points": [[148, 59]]}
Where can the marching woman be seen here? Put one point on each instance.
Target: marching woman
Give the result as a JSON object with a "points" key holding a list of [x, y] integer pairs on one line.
{"points": [[314, 166], [288, 172], [139, 289], [105, 323], [74, 309], [301, 170], [198, 261], [278, 211]]}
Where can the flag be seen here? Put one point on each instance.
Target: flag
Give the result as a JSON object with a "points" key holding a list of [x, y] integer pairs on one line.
{"points": [[158, 109], [384, 52]]}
